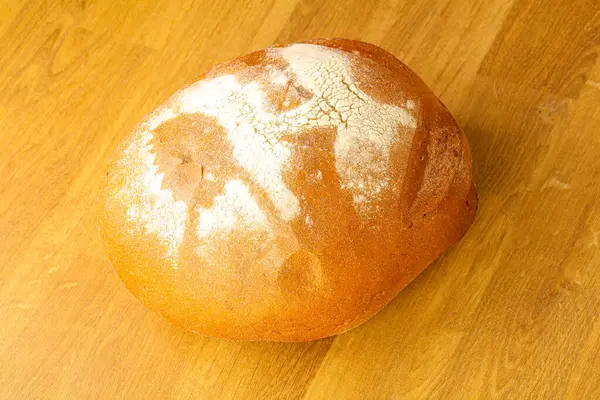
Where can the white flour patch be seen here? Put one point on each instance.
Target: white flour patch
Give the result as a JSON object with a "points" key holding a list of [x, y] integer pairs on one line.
{"points": [[366, 132], [234, 209], [253, 132], [158, 117], [154, 207], [316, 176], [308, 221], [366, 129], [278, 77]]}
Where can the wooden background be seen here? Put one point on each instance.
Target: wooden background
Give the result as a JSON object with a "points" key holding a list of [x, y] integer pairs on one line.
{"points": [[513, 311]]}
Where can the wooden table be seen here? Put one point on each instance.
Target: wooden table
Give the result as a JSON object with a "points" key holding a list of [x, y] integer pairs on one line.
{"points": [[513, 311]]}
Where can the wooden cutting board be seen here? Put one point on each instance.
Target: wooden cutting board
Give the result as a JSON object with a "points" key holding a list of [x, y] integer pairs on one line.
{"points": [[513, 311]]}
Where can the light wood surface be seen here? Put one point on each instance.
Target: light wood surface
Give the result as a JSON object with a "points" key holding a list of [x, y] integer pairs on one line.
{"points": [[513, 311]]}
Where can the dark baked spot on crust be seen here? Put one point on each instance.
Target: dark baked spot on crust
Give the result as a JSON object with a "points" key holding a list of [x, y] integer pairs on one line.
{"points": [[434, 161], [255, 58], [188, 148]]}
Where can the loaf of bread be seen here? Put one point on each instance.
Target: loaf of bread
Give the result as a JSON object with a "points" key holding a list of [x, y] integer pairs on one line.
{"points": [[289, 194]]}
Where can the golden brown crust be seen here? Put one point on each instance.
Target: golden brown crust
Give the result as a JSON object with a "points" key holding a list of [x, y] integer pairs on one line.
{"points": [[220, 250]]}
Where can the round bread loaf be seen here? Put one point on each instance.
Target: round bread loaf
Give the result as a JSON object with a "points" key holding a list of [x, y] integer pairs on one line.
{"points": [[289, 194]]}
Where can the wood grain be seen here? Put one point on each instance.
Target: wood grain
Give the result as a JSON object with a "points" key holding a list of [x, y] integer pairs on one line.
{"points": [[513, 311]]}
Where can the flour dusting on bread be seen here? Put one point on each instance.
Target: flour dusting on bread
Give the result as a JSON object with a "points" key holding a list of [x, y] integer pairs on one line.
{"points": [[366, 129]]}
